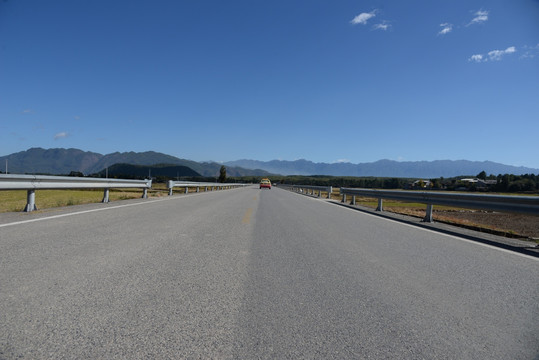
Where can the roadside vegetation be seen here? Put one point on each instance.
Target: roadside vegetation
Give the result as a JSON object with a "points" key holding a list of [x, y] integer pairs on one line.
{"points": [[507, 183], [15, 200]]}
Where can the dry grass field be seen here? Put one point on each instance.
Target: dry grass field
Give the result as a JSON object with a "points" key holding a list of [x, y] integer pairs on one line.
{"points": [[15, 200], [506, 224]]}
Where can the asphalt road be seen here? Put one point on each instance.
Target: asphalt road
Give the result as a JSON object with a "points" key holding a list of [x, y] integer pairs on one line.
{"points": [[255, 274]]}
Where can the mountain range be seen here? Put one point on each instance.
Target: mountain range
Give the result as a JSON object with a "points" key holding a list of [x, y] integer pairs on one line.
{"points": [[63, 161], [385, 168]]}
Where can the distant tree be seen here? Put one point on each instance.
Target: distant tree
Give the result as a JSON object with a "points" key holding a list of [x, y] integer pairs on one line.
{"points": [[222, 174], [482, 175], [76, 174]]}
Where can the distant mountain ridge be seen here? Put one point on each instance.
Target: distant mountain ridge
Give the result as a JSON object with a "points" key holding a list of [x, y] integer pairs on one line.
{"points": [[63, 161], [385, 168]]}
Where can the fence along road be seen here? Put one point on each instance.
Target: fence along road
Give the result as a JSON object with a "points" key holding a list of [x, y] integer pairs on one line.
{"points": [[31, 183], [257, 274]]}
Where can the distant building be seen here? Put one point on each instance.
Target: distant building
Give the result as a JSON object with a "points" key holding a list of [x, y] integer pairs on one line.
{"points": [[479, 183], [421, 184]]}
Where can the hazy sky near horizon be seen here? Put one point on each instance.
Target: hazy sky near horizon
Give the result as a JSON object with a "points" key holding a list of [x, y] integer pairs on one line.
{"points": [[327, 81]]}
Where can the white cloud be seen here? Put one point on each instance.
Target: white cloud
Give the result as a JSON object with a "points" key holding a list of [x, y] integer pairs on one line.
{"points": [[61, 135], [446, 28], [494, 55], [340, 161], [363, 18], [476, 58], [480, 17], [530, 52], [382, 26], [27, 111]]}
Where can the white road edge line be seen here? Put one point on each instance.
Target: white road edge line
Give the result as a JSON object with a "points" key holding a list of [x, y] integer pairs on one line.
{"points": [[433, 231], [93, 210]]}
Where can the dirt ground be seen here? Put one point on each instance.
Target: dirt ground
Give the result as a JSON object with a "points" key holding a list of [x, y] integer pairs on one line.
{"points": [[517, 224], [511, 225]]}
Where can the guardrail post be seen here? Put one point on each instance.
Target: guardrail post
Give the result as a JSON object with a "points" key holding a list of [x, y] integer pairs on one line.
{"points": [[344, 198], [30, 201], [198, 189], [353, 200], [106, 196], [428, 215], [206, 189], [380, 205], [170, 192], [319, 193], [144, 193], [187, 189], [330, 190]]}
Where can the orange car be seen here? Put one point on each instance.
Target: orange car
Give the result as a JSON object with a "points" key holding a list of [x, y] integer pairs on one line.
{"points": [[265, 183]]}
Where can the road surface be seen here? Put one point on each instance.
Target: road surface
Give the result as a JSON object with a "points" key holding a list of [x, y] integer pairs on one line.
{"points": [[249, 273]]}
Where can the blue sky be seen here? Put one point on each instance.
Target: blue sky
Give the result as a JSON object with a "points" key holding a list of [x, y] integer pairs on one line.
{"points": [[326, 81]]}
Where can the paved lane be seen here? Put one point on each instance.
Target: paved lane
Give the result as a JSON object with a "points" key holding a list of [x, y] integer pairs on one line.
{"points": [[329, 282], [162, 280], [257, 274]]}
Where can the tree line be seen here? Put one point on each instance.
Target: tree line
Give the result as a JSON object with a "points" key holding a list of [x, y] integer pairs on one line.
{"points": [[527, 183]]}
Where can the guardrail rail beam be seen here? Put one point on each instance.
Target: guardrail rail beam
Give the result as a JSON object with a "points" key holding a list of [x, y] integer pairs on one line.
{"points": [[31, 183], [502, 203]]}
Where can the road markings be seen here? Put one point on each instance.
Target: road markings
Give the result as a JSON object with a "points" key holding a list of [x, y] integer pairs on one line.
{"points": [[94, 210], [446, 235], [329, 202], [247, 216]]}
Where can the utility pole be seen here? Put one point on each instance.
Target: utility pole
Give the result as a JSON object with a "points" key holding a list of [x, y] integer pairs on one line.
{"points": [[6, 166]]}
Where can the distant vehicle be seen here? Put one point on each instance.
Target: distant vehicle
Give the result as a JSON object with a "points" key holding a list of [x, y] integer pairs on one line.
{"points": [[265, 183]]}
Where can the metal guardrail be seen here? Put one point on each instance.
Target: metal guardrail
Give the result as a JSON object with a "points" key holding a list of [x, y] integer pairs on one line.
{"points": [[502, 203], [31, 183], [309, 189], [206, 185]]}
